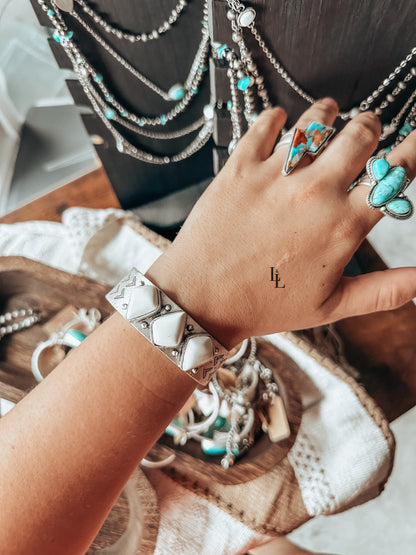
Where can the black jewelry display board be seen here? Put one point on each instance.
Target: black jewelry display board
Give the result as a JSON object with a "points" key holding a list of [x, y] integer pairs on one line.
{"points": [[331, 48]]}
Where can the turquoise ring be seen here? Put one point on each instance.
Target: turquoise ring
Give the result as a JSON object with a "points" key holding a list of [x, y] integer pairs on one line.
{"points": [[387, 185]]}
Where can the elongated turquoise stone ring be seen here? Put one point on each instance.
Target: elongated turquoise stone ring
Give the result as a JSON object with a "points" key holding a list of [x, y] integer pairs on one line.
{"points": [[388, 184]]}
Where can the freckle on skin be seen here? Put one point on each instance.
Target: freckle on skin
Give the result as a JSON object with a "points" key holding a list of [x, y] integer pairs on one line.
{"points": [[323, 265]]}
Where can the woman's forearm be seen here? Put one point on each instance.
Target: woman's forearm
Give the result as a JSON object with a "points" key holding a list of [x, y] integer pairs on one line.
{"points": [[68, 448]]}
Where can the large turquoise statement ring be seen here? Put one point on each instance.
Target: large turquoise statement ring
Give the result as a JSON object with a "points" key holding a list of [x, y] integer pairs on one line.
{"points": [[388, 184], [310, 141]]}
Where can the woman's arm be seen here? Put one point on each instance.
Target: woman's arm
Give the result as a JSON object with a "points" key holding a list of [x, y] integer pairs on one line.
{"points": [[68, 448]]}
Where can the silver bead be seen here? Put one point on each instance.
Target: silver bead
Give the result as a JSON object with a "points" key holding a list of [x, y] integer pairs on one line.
{"points": [[378, 111], [236, 37], [240, 74], [167, 307], [401, 85], [230, 15], [390, 98], [259, 80], [144, 325], [175, 353], [413, 70]]}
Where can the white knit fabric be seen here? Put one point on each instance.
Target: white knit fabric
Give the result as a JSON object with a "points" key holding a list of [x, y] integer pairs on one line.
{"points": [[339, 456]]}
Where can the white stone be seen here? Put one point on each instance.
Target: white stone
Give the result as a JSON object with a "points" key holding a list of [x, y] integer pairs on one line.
{"points": [[167, 330], [208, 112], [144, 300], [246, 17], [198, 350], [65, 5]]}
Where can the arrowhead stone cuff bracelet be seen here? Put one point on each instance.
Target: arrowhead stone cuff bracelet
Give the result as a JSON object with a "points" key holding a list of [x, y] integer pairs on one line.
{"points": [[167, 326]]}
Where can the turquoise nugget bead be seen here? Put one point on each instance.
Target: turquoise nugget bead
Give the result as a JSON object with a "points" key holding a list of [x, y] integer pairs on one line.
{"points": [[221, 49], [98, 78], [109, 113], [380, 168], [55, 36], [388, 187], [163, 120], [244, 83], [124, 113], [406, 129], [50, 12]]}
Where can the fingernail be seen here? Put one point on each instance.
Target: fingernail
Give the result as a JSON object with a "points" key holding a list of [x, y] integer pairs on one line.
{"points": [[328, 101]]}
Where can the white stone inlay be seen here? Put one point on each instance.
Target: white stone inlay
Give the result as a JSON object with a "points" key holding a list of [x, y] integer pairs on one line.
{"points": [[144, 300], [198, 350], [167, 330], [246, 17]]}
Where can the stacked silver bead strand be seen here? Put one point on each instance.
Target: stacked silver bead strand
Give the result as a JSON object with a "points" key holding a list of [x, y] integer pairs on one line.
{"points": [[17, 320], [237, 25]]}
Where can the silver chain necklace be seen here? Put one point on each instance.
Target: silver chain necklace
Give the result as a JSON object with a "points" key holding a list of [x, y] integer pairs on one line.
{"points": [[165, 26]]}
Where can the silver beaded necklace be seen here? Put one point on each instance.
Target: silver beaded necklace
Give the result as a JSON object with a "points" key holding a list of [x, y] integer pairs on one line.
{"points": [[17, 320], [110, 110], [165, 26]]}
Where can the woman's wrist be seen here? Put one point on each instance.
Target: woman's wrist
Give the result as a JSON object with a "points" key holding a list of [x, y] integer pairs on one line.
{"points": [[190, 286]]}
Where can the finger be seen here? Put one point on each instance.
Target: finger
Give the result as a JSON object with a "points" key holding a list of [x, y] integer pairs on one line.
{"points": [[403, 155], [374, 292], [257, 144], [347, 154], [323, 111]]}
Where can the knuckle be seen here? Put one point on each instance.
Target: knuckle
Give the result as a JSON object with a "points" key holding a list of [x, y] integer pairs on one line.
{"points": [[365, 129], [388, 297]]}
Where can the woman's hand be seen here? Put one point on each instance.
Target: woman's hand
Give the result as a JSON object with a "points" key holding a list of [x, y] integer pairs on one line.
{"points": [[306, 225]]}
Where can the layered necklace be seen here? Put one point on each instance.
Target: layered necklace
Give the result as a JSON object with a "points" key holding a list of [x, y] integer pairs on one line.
{"points": [[110, 109], [248, 92], [243, 75]]}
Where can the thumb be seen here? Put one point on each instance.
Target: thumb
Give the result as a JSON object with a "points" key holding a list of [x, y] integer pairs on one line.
{"points": [[374, 292]]}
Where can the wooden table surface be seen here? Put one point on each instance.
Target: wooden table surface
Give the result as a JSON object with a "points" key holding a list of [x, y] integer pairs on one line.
{"points": [[381, 346]]}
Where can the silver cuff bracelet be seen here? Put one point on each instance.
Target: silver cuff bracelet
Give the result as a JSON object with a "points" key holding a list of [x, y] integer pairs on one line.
{"points": [[167, 326]]}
